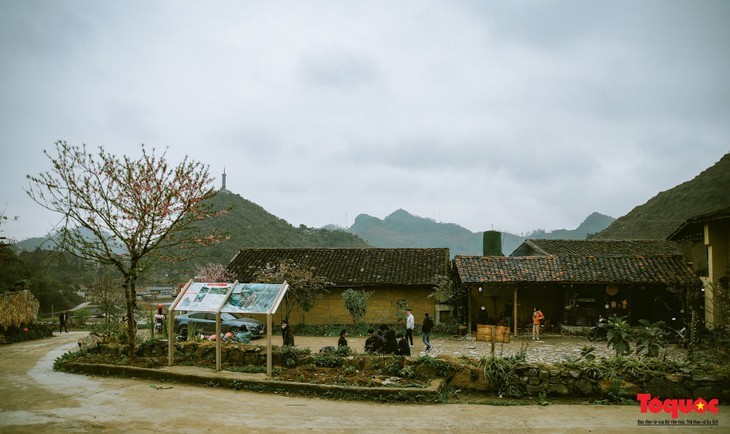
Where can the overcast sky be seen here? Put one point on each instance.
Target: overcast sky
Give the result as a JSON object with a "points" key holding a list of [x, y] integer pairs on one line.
{"points": [[489, 114]]}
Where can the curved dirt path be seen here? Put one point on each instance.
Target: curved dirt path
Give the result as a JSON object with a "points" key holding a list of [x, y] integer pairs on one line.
{"points": [[35, 399]]}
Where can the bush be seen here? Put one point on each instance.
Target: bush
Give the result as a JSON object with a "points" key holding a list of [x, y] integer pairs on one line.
{"points": [[26, 332], [618, 334], [650, 338]]}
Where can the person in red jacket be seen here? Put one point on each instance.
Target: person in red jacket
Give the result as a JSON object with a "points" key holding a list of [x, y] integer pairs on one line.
{"points": [[537, 316]]}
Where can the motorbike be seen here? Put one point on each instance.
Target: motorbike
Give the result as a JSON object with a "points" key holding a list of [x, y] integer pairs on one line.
{"points": [[159, 323], [677, 332], [598, 331]]}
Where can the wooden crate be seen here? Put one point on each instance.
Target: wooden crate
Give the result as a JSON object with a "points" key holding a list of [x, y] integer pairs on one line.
{"points": [[485, 332]]}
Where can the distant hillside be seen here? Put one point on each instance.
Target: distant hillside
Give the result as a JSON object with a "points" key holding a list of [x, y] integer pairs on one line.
{"points": [[402, 229], [665, 212], [592, 225], [50, 242], [247, 225]]}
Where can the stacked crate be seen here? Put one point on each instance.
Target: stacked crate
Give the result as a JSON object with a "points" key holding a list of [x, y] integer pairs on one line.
{"points": [[485, 333]]}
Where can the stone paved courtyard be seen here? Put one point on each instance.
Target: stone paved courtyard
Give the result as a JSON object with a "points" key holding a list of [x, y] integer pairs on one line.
{"points": [[549, 349]]}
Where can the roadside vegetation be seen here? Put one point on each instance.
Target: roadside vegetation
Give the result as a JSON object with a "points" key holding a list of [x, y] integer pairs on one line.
{"points": [[640, 358]]}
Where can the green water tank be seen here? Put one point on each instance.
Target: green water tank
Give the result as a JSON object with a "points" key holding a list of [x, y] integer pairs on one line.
{"points": [[492, 243]]}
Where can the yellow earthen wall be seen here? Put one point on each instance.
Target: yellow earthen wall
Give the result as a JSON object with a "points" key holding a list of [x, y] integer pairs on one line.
{"points": [[381, 308]]}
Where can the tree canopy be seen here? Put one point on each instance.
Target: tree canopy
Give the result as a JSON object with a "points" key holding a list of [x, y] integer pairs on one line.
{"points": [[125, 211]]}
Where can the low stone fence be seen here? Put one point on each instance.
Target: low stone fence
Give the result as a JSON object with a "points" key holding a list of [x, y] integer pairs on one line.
{"points": [[520, 379], [562, 381]]}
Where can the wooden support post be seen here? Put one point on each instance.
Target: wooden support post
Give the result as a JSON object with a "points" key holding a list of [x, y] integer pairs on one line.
{"points": [[515, 321], [268, 344], [218, 340]]}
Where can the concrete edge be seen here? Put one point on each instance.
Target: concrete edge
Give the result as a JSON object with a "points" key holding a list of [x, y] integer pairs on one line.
{"points": [[245, 381]]}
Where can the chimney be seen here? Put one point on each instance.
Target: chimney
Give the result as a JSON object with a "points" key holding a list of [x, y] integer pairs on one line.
{"points": [[492, 243]]}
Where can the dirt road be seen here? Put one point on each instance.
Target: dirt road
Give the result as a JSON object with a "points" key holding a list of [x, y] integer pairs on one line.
{"points": [[35, 399]]}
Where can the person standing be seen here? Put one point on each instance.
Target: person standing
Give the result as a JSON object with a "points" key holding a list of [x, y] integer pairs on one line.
{"points": [[287, 334], [410, 325], [426, 327], [482, 316], [508, 308], [62, 322], [537, 316]]}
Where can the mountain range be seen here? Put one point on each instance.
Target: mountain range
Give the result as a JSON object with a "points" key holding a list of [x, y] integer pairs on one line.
{"points": [[402, 229]]}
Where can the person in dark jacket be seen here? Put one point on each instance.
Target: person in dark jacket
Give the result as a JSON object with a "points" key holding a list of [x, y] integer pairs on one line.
{"points": [[391, 344], [382, 330], [287, 334], [426, 328], [342, 342], [403, 348], [374, 343], [63, 322], [482, 316]]}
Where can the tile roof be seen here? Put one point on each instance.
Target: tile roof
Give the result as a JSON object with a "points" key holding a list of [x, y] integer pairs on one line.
{"points": [[693, 228], [360, 267], [668, 270], [533, 247]]}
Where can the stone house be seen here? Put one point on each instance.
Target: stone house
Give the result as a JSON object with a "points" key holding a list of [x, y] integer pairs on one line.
{"points": [[575, 281], [705, 242], [407, 274]]}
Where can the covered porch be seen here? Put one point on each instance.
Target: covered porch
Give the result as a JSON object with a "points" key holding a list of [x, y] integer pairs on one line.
{"points": [[570, 293]]}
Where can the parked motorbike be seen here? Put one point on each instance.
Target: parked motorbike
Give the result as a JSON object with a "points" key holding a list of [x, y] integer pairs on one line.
{"points": [[598, 331], [159, 323], [677, 332]]}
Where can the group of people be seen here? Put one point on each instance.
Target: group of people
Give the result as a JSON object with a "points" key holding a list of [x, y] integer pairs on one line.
{"points": [[385, 341]]}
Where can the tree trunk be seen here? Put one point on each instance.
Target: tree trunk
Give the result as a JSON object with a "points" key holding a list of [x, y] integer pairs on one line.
{"points": [[130, 294]]}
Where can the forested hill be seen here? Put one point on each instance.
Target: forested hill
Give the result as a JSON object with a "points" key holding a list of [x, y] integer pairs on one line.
{"points": [[665, 212], [249, 225]]}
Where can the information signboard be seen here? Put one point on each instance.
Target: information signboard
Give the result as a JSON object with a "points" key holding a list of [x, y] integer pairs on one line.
{"points": [[204, 297], [255, 298]]}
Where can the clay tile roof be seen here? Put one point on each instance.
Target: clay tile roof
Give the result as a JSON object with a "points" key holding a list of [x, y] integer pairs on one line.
{"points": [[598, 248], [667, 270], [693, 228], [356, 267]]}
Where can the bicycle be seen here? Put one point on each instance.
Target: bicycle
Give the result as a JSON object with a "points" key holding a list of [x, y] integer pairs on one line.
{"points": [[545, 327]]}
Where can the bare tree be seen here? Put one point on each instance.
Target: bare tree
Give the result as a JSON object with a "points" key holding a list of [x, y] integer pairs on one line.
{"points": [[125, 212], [108, 293]]}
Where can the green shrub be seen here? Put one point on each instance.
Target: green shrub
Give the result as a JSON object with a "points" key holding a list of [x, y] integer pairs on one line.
{"points": [[327, 360], [618, 334], [502, 373], [650, 338]]}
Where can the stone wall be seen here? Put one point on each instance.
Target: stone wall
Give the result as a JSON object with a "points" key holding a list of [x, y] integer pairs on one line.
{"points": [[559, 381]]}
